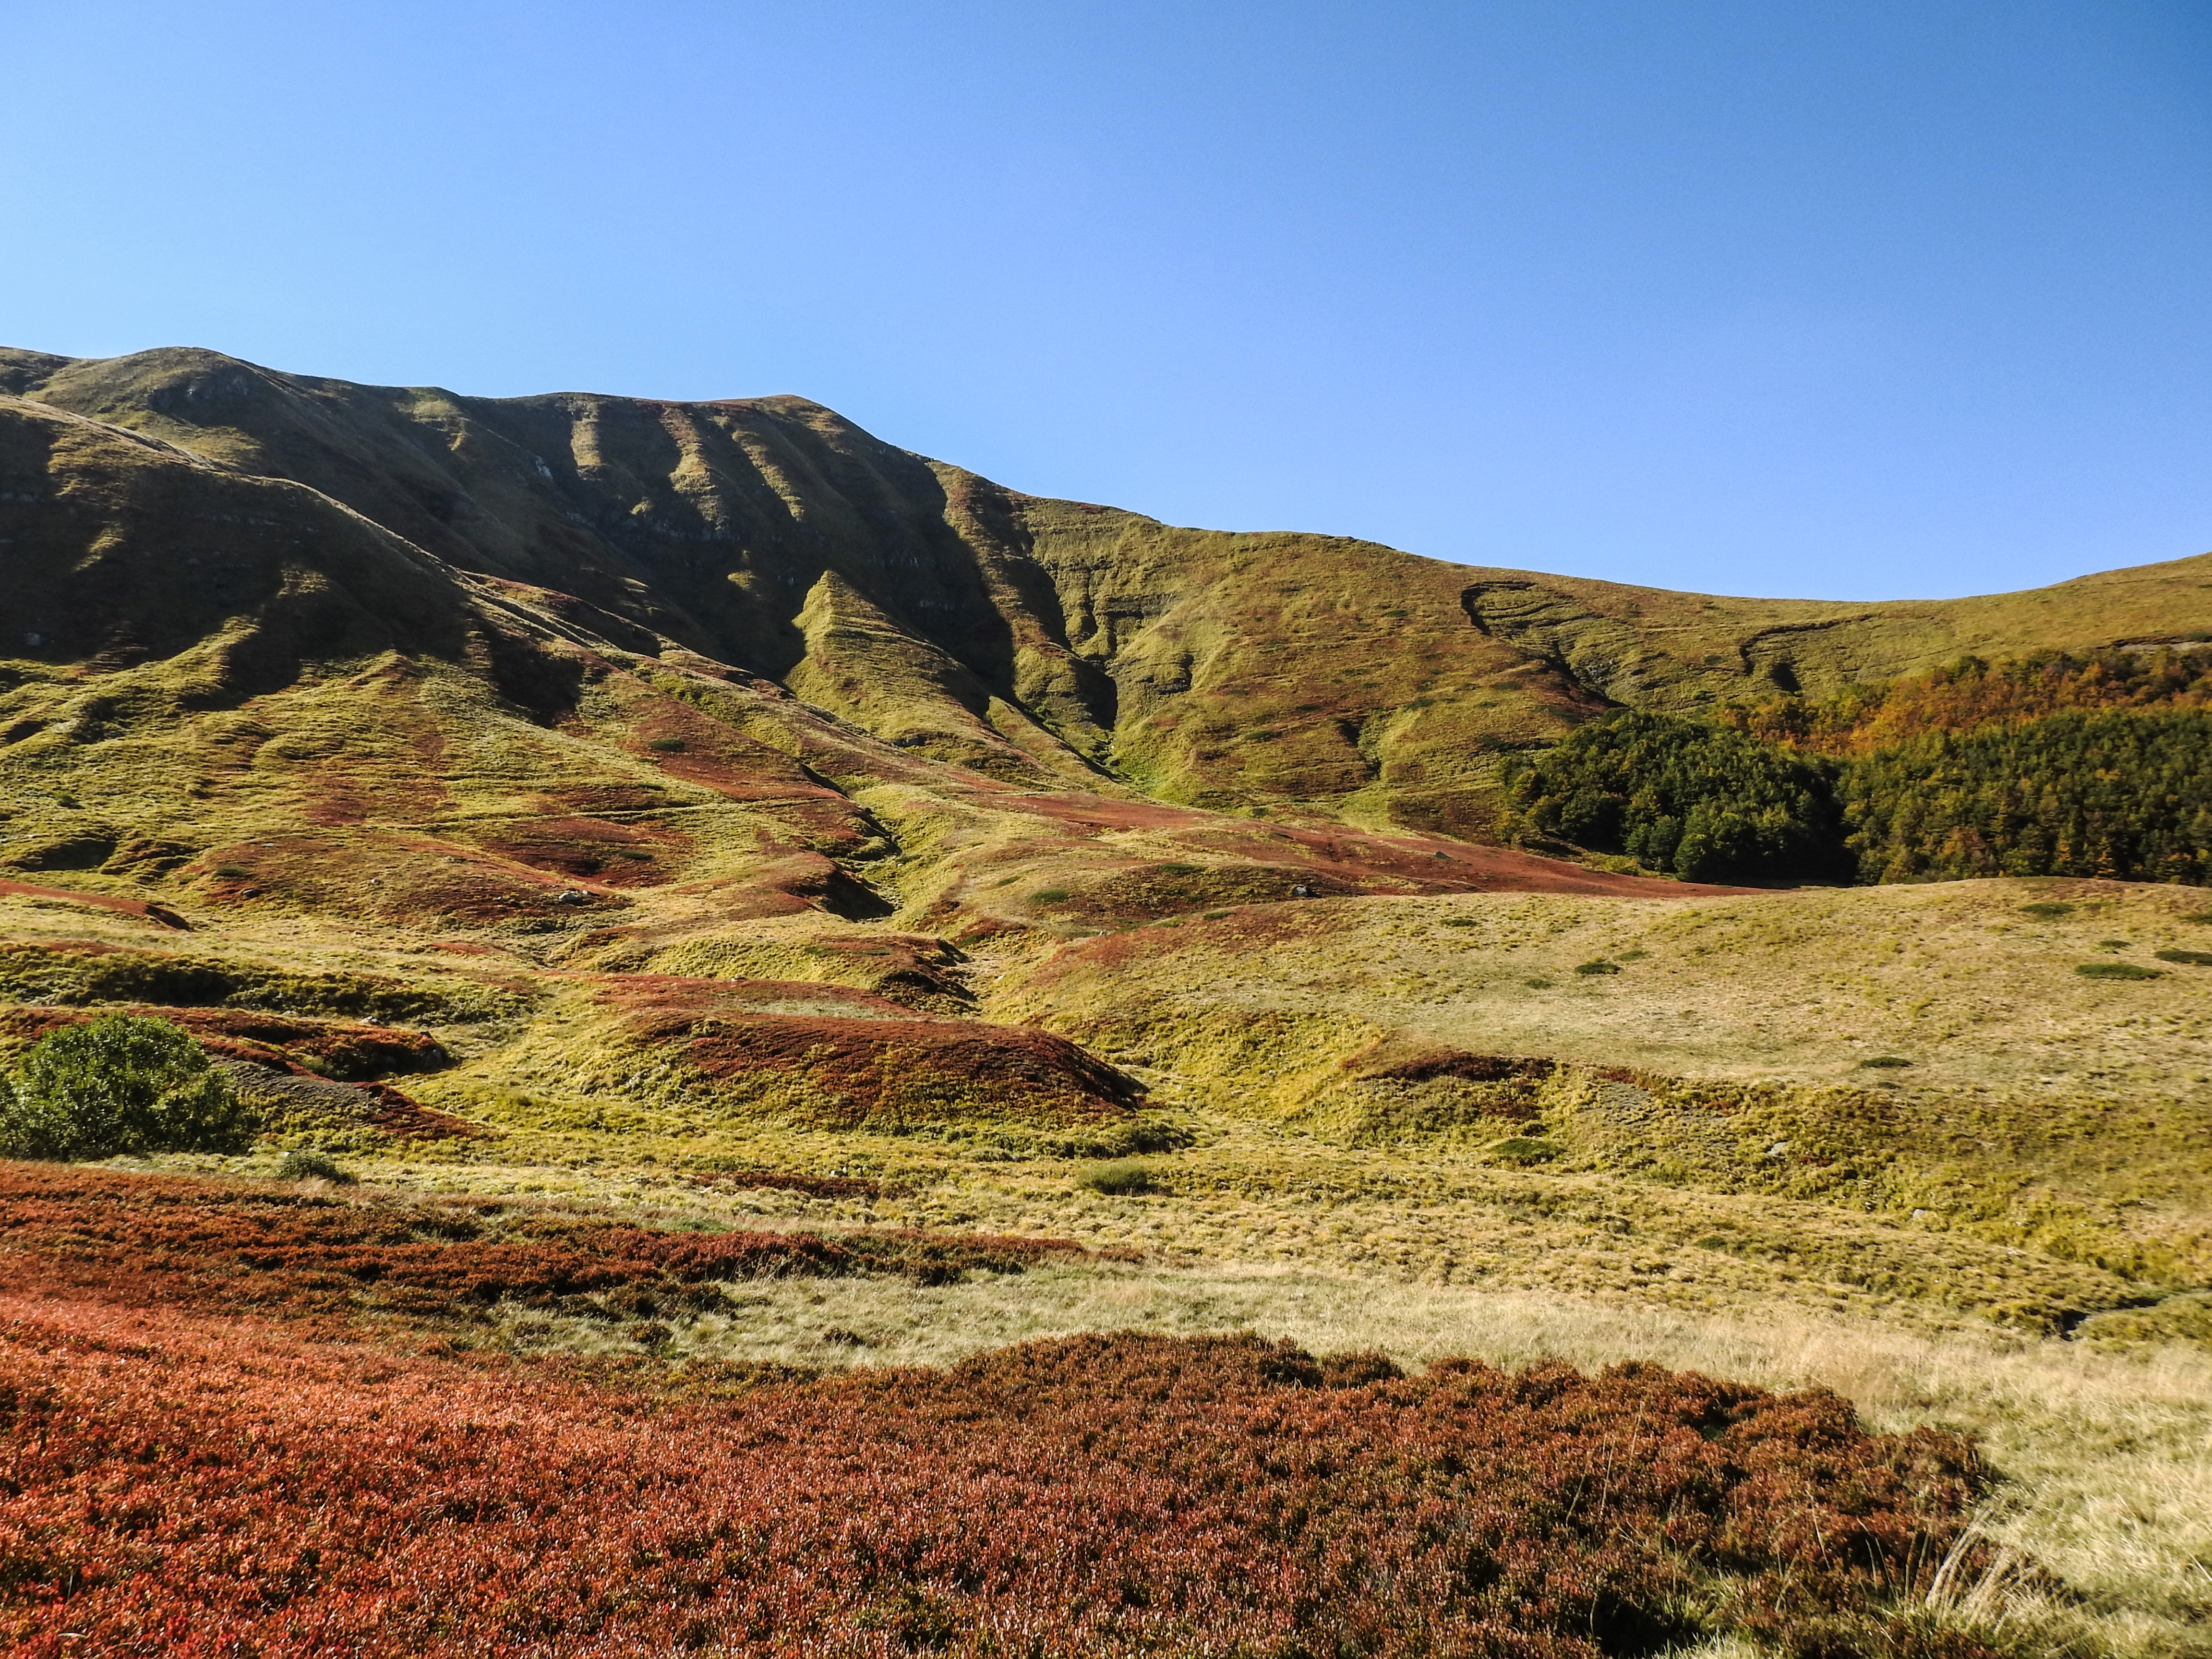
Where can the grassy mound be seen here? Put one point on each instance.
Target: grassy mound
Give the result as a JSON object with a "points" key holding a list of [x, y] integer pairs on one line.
{"points": [[829, 1056], [78, 972]]}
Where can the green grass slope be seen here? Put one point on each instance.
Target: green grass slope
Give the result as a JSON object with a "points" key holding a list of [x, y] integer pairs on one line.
{"points": [[1650, 647]]}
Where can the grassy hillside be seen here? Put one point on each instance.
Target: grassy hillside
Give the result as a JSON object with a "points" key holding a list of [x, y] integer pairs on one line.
{"points": [[1038, 638], [1650, 648], [597, 811]]}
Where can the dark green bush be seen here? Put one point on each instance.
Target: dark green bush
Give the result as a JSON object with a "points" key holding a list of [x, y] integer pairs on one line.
{"points": [[1123, 1179], [120, 1084], [312, 1166], [2194, 959], [2049, 911], [2116, 970], [1883, 1062], [1598, 967], [666, 745]]}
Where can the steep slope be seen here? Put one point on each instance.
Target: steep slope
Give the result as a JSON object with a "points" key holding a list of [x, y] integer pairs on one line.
{"points": [[231, 701], [1036, 639], [943, 613]]}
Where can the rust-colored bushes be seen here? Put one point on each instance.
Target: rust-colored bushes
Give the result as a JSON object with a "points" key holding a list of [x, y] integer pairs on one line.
{"points": [[179, 1485], [141, 1240]]}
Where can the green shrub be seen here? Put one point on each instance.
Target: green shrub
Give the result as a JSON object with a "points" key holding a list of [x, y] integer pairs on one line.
{"points": [[2116, 970], [1049, 895], [2194, 959], [1123, 1178], [666, 745], [120, 1084], [1537, 984], [2050, 910], [1882, 1062], [1522, 1149], [1600, 966], [312, 1166], [230, 871]]}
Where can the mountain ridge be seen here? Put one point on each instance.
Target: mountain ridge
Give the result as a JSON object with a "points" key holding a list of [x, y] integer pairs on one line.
{"points": [[951, 614]]}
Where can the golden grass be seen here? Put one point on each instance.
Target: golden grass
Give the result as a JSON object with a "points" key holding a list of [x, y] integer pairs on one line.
{"points": [[2039, 1108], [1662, 1237]]}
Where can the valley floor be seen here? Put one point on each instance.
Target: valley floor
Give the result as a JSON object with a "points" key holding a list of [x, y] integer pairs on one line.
{"points": [[1405, 1126]]}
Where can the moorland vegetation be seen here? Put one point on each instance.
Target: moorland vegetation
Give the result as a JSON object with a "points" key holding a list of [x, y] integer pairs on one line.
{"points": [[716, 998]]}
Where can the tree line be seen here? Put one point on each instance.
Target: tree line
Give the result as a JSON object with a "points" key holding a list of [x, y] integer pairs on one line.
{"points": [[2053, 765]]}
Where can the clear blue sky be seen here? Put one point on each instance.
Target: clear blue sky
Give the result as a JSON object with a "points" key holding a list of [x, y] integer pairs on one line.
{"points": [[1835, 298]]}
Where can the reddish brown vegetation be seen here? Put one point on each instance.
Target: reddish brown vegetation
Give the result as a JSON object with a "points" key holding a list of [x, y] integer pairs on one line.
{"points": [[397, 876], [341, 1050], [864, 1067], [666, 1001], [159, 913], [619, 854], [1298, 922], [149, 1240], [1404, 1061], [174, 1484], [376, 1106]]}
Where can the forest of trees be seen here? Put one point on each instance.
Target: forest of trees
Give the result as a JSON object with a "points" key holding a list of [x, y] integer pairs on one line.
{"points": [[1686, 796], [2051, 765]]}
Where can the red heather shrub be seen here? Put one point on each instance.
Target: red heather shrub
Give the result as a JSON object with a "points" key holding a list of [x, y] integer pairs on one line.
{"points": [[175, 1486], [231, 1246], [180, 1480]]}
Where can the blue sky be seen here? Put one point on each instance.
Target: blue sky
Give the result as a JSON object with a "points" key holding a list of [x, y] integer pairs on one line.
{"points": [[1842, 299]]}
